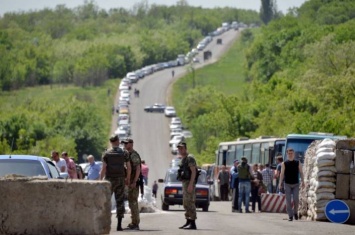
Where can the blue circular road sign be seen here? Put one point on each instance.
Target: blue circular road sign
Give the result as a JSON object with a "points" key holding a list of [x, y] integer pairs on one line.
{"points": [[337, 211]]}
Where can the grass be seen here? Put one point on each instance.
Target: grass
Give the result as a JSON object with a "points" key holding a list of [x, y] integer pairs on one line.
{"points": [[226, 76], [95, 96]]}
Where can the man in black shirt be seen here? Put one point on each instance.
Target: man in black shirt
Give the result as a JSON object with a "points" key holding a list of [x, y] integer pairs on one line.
{"points": [[291, 170]]}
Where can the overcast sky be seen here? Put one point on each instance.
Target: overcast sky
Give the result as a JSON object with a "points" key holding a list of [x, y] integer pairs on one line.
{"points": [[26, 5]]}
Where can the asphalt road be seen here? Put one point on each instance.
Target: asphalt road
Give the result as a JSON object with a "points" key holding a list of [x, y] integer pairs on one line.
{"points": [[150, 131]]}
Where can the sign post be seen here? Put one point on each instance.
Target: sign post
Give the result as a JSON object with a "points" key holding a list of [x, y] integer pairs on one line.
{"points": [[337, 211]]}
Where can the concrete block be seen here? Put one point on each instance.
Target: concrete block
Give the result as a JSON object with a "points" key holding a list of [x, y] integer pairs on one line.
{"points": [[41, 206], [348, 144], [343, 160], [352, 186], [351, 204], [342, 186]]}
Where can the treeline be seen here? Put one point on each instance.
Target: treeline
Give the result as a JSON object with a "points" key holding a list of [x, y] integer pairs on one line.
{"points": [[87, 45], [300, 74]]}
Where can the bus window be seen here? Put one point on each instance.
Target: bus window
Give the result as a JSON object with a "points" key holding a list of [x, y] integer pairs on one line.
{"points": [[265, 153], [299, 146], [247, 152], [230, 155], [256, 153], [239, 151], [220, 158]]}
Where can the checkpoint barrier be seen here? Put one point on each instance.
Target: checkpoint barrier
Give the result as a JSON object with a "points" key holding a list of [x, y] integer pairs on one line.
{"points": [[273, 203]]}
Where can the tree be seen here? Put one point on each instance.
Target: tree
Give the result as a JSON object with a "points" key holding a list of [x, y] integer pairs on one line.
{"points": [[268, 10]]}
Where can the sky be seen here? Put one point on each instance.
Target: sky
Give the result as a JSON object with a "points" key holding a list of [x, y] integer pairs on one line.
{"points": [[26, 5]]}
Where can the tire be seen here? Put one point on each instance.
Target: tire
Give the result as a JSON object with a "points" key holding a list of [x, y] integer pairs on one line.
{"points": [[164, 207], [205, 208]]}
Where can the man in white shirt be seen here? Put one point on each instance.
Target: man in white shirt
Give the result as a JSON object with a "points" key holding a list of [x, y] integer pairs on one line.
{"points": [[59, 162]]}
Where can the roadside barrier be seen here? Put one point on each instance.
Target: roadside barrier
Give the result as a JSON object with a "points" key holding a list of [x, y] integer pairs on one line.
{"points": [[273, 203]]}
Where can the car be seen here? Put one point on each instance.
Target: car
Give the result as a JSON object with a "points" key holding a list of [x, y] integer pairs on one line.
{"points": [[125, 93], [155, 108], [175, 126], [172, 190], [123, 122], [170, 111], [122, 134], [196, 60], [125, 99], [126, 127], [123, 116], [139, 73], [176, 139], [175, 120], [133, 78], [173, 63], [147, 70], [201, 46], [174, 149], [123, 110], [124, 86], [29, 165], [181, 60], [177, 131], [186, 134]]}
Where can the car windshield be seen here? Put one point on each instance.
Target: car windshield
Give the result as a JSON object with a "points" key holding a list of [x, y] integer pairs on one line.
{"points": [[171, 177], [21, 167]]}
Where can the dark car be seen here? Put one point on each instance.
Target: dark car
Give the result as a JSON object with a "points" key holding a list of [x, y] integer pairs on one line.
{"points": [[159, 108], [172, 190], [28, 165]]}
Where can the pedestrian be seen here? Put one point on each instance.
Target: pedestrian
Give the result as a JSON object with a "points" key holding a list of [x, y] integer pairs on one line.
{"points": [[79, 170], [187, 174], [255, 185], [155, 189], [172, 73], [145, 171], [70, 166], [279, 160], [133, 187], [94, 169], [113, 170], [261, 167], [244, 175], [291, 170], [234, 185], [268, 176], [223, 180], [59, 162]]}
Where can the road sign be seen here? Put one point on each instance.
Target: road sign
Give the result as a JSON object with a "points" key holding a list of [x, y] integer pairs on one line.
{"points": [[337, 211]]}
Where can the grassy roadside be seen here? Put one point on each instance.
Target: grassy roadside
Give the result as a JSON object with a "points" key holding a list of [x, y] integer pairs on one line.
{"points": [[95, 96], [226, 75]]}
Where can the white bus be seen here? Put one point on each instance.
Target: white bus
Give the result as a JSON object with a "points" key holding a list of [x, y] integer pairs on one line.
{"points": [[260, 150]]}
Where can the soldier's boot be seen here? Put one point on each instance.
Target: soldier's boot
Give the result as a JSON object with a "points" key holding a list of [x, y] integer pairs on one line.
{"points": [[119, 224], [192, 225], [186, 224]]}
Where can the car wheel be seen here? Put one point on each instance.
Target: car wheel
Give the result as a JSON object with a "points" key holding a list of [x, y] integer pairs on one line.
{"points": [[164, 207], [205, 208]]}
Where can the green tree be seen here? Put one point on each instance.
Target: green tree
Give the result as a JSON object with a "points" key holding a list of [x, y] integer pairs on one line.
{"points": [[268, 10]]}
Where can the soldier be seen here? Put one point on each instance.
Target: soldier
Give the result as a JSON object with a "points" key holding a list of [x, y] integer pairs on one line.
{"points": [[133, 187], [113, 169], [187, 174]]}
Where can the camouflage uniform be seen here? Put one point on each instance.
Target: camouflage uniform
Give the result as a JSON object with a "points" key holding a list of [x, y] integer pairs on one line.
{"points": [[133, 193], [117, 180], [189, 198]]}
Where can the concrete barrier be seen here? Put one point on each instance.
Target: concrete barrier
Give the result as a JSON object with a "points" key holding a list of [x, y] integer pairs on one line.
{"points": [[35, 205]]}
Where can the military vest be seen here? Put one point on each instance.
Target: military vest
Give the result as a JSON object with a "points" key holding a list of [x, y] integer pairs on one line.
{"points": [[243, 172], [115, 163]]}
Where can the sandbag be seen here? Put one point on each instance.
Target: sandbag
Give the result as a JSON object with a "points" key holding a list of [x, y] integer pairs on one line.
{"points": [[320, 217], [323, 163], [325, 156], [324, 150], [325, 185], [325, 174], [321, 203], [327, 168], [325, 190], [327, 143], [325, 196], [326, 179]]}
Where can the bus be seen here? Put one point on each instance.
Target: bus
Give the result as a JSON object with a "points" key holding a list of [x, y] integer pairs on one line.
{"points": [[260, 150], [300, 142]]}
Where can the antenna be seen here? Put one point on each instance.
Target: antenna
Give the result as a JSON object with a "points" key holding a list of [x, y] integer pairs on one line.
{"points": [[12, 146]]}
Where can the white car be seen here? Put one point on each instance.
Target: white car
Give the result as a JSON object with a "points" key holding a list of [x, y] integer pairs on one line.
{"points": [[122, 134], [201, 46], [174, 149], [127, 98], [174, 132], [123, 86], [186, 134], [125, 93], [170, 111], [132, 77], [176, 140], [175, 126], [175, 119], [123, 122]]}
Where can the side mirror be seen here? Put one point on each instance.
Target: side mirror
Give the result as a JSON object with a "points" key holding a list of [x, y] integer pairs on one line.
{"points": [[160, 180]]}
